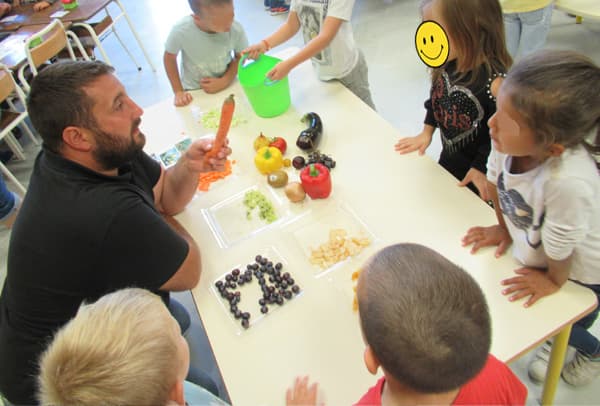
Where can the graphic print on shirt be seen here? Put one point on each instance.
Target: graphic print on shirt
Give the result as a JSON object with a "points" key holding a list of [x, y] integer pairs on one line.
{"points": [[519, 212], [311, 15], [457, 112]]}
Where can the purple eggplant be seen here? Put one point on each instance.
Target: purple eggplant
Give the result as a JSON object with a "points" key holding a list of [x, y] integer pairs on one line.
{"points": [[310, 137]]}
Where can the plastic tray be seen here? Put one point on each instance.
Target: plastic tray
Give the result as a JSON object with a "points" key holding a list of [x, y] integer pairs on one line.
{"points": [[312, 230], [229, 222], [250, 292]]}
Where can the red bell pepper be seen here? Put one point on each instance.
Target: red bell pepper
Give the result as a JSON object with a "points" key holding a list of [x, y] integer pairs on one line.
{"points": [[316, 181]]}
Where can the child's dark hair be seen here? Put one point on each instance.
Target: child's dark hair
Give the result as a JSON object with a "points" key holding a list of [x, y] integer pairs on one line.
{"points": [[477, 30], [558, 95], [425, 319], [197, 5]]}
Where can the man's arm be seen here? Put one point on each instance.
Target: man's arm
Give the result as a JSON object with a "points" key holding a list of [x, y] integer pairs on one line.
{"points": [[182, 97], [177, 185], [188, 274]]}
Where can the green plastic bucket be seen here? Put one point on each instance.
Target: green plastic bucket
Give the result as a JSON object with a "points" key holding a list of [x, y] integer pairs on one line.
{"points": [[268, 98]]}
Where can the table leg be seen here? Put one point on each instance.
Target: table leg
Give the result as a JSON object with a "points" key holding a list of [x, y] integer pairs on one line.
{"points": [[557, 358]]}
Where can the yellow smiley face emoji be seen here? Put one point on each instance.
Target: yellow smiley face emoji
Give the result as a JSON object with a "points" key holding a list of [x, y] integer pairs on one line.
{"points": [[432, 44]]}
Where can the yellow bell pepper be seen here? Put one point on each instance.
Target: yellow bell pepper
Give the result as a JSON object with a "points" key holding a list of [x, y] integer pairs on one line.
{"points": [[268, 159]]}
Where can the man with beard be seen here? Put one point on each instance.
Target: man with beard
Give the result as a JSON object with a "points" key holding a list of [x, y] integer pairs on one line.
{"points": [[96, 218]]}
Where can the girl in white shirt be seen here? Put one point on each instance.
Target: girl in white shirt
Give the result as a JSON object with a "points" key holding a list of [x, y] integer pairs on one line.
{"points": [[546, 187]]}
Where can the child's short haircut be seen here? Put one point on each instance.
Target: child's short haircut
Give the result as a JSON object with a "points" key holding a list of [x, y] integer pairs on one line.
{"points": [[197, 5], [425, 319], [116, 351]]}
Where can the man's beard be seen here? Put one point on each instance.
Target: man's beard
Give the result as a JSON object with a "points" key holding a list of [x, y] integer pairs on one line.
{"points": [[113, 152]]}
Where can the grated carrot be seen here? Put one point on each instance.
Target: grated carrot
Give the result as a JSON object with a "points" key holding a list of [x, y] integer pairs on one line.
{"points": [[205, 179]]}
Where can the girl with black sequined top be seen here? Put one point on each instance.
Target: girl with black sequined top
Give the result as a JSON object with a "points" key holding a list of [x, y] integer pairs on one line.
{"points": [[462, 92]]}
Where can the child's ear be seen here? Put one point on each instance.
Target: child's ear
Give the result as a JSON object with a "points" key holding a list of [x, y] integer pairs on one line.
{"points": [[371, 361], [176, 395], [556, 149]]}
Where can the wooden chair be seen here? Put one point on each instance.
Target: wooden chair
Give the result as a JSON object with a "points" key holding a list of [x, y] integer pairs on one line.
{"points": [[9, 119], [45, 45]]}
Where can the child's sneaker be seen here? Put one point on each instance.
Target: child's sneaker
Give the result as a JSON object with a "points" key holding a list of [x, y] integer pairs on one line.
{"points": [[582, 370], [539, 365], [280, 9], [267, 4]]}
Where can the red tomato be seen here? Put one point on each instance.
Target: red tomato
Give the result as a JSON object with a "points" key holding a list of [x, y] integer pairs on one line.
{"points": [[279, 143]]}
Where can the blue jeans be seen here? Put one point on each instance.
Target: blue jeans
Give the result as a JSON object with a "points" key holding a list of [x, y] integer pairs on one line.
{"points": [[7, 199], [527, 32], [580, 337]]}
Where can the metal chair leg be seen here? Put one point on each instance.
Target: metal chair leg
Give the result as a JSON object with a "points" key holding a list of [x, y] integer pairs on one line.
{"points": [[126, 49], [12, 178], [15, 146], [135, 34]]}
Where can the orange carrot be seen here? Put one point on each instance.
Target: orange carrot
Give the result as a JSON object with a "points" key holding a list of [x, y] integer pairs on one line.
{"points": [[224, 124], [207, 178]]}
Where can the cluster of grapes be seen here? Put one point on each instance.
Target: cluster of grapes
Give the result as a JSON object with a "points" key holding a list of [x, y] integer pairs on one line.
{"points": [[313, 158], [275, 285]]}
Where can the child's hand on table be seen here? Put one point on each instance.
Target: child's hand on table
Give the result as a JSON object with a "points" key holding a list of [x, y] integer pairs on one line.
{"points": [[530, 282], [301, 394], [194, 156], [486, 237], [182, 98], [479, 180], [40, 5], [256, 50], [409, 144]]}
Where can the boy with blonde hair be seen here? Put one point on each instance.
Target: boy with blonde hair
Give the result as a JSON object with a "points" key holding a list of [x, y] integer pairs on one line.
{"points": [[127, 349], [426, 324], [124, 349], [210, 42]]}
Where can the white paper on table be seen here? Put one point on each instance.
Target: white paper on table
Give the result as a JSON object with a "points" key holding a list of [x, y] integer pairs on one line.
{"points": [[59, 14], [9, 19]]}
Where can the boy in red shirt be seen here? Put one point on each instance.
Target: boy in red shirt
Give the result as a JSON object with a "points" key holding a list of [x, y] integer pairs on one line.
{"points": [[425, 322]]}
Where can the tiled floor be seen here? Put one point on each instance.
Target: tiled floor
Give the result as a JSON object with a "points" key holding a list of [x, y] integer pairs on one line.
{"points": [[384, 29]]}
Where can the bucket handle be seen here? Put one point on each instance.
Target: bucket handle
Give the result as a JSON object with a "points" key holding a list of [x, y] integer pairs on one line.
{"points": [[267, 81], [243, 60]]}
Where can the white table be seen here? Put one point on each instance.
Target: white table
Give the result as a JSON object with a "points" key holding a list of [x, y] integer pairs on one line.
{"points": [[580, 8], [399, 199]]}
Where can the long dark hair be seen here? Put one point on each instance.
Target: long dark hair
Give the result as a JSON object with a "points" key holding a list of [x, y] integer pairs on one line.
{"points": [[477, 30]]}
